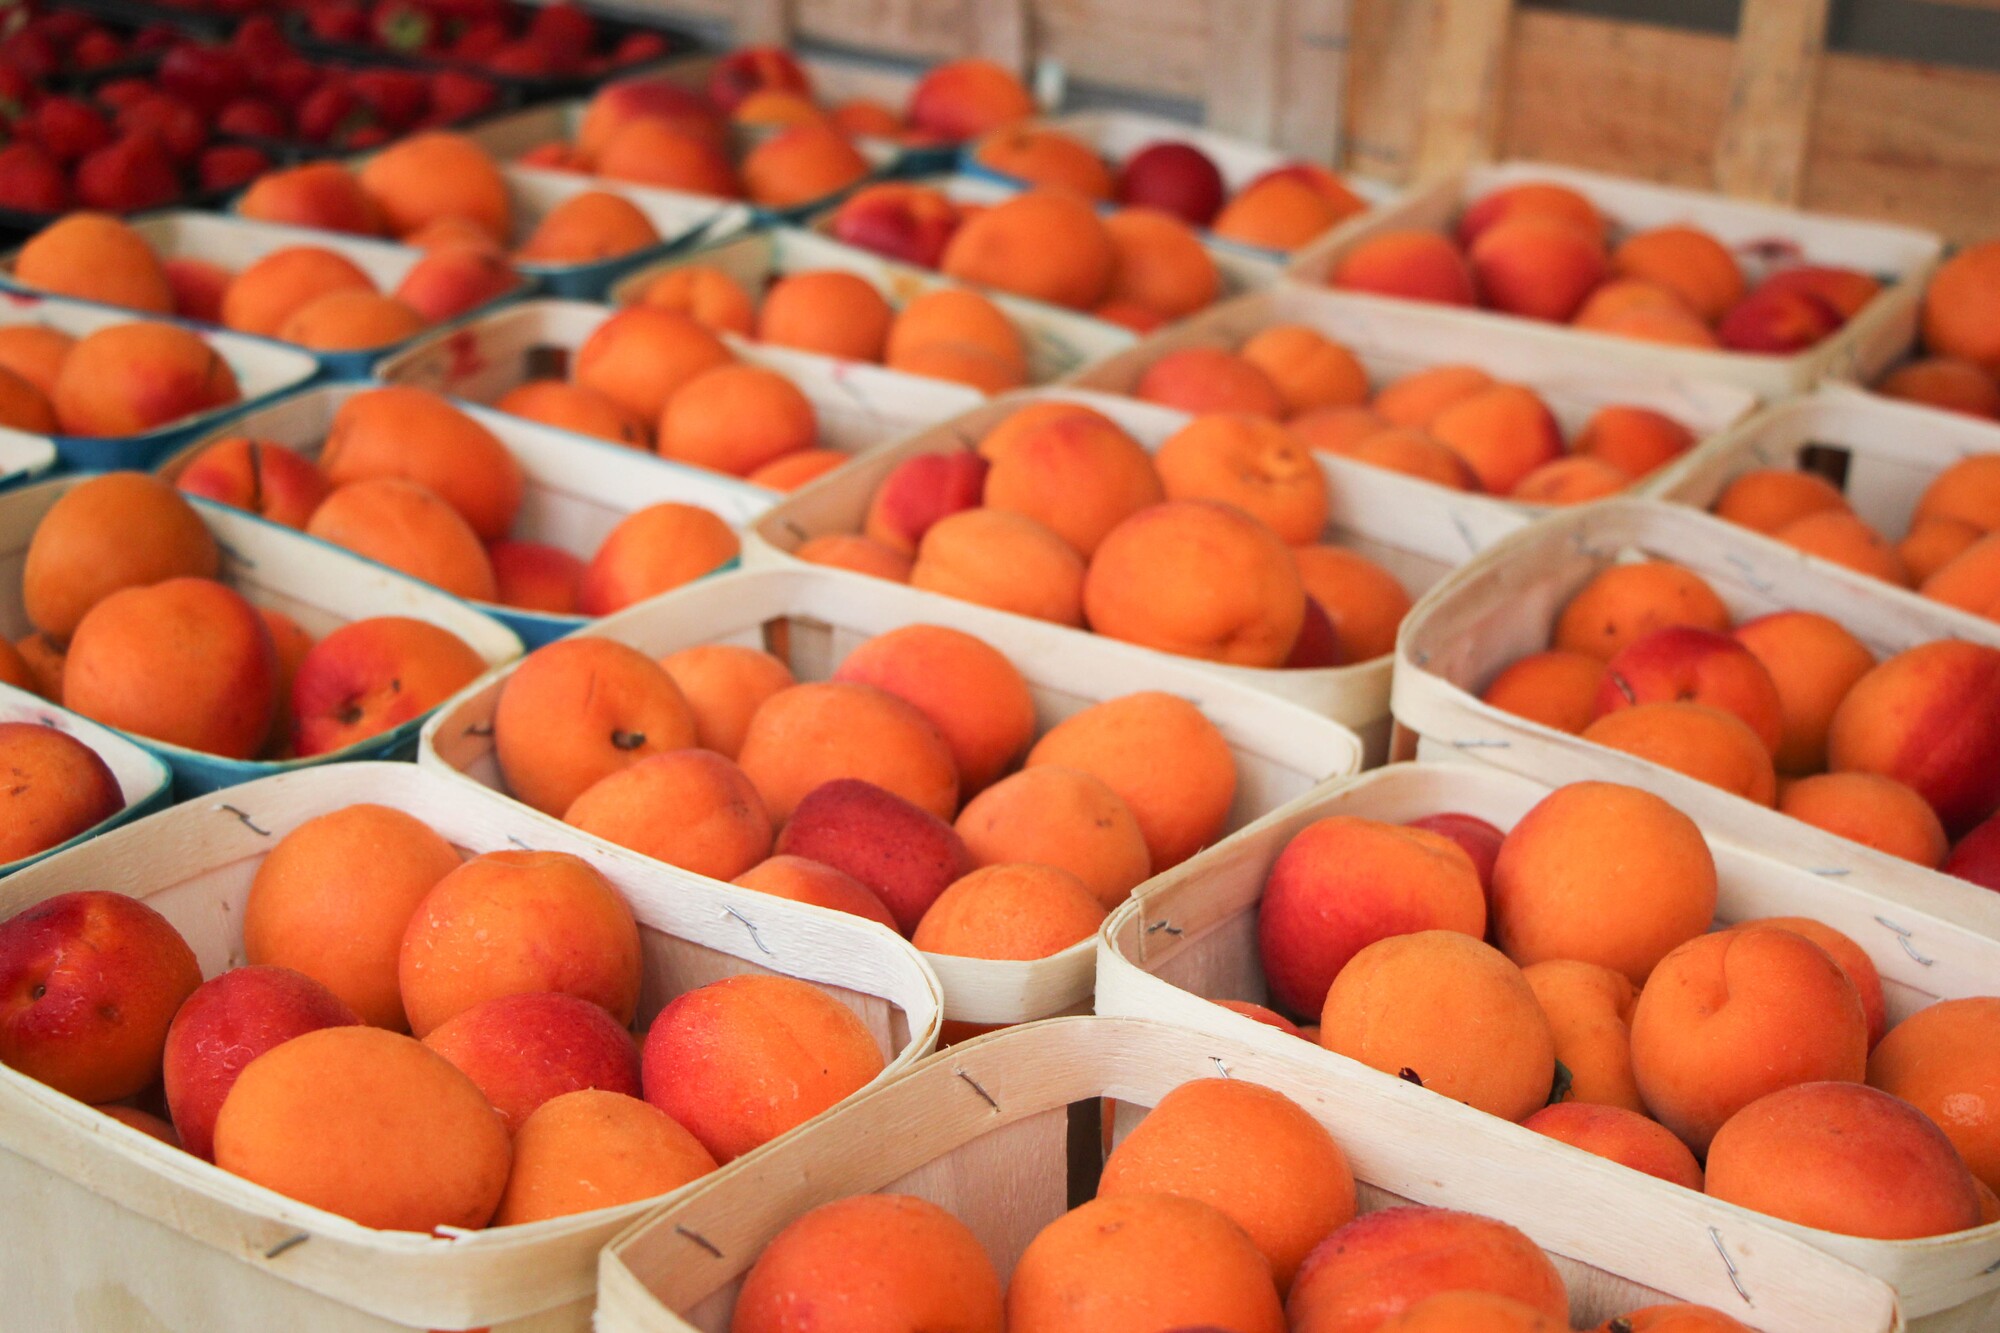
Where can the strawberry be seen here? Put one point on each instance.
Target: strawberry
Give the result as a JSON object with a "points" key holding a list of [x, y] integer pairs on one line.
{"points": [[133, 173], [520, 58], [64, 27], [365, 136], [30, 180], [398, 97], [338, 21], [178, 126], [288, 81], [253, 119], [332, 110], [67, 128], [97, 49], [32, 52], [477, 43], [456, 96], [156, 38], [207, 78], [261, 40], [225, 166], [565, 32], [121, 93], [637, 46]]}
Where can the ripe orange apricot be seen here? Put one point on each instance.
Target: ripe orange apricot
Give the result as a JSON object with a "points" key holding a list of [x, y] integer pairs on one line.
{"points": [[1276, 213], [1309, 370], [119, 530], [1589, 1009], [1704, 743], [96, 257], [1003, 560], [1814, 661], [1249, 462], [808, 881], [579, 408], [801, 164], [407, 527], [588, 227], [436, 175], [829, 311], [1957, 315], [268, 292], [654, 550], [816, 732], [724, 685], [1968, 490], [1849, 957], [1556, 688], [641, 355], [1210, 379], [690, 808], [351, 321], [1622, 602], [1070, 469], [1625, 1137], [1365, 602], [1016, 912], [594, 1149], [1160, 263], [1414, 265], [1847, 540], [1062, 817], [957, 318], [1045, 157], [1569, 481], [863, 555], [1687, 262], [1503, 433], [1944, 1061], [419, 436], [1416, 399], [975, 697], [1471, 1312], [1767, 499], [1044, 244], [735, 419], [1944, 382], [706, 294], [1382, 1263], [1933, 543], [1635, 440], [1872, 810]]}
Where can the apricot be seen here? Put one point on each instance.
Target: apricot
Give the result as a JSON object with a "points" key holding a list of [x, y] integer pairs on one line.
{"points": [[420, 437], [1768, 499], [1414, 265], [1253, 1154], [1687, 262], [901, 221], [830, 311], [371, 676], [1706, 744], [863, 555], [406, 527], [962, 99], [920, 491], [903, 854], [514, 921], [526, 1049], [1062, 817], [1622, 602], [1850, 958], [1209, 379], [789, 472], [1970, 580], [125, 379], [1813, 661], [651, 151], [1682, 664], [24, 407], [1045, 157], [654, 550], [1043, 244], [145, 1122], [865, 119], [120, 530], [15, 671], [974, 367], [1933, 543], [1847, 540], [1678, 1317], [1197, 578], [1930, 718], [742, 1060], [1836, 1156], [1015, 912], [588, 227], [1003, 560], [706, 294], [436, 175], [94, 257], [1310, 371], [34, 352], [1382, 1263], [1503, 432], [1943, 382], [1957, 303], [332, 898], [576, 408], [974, 696], [872, 1262], [265, 295], [325, 195], [736, 419], [1728, 1018], [1276, 213], [777, 107], [350, 321], [1623, 1136], [1968, 490], [640, 356], [804, 880], [690, 808], [1944, 1061], [800, 165], [1872, 810], [1160, 263], [724, 684], [1254, 464], [591, 1149], [1416, 399], [367, 1124], [1138, 1263], [1635, 440], [44, 661], [451, 280], [1074, 472], [955, 317], [1589, 1008], [1270, 1018], [1537, 266], [813, 733], [1539, 198], [1465, 1311], [58, 787]]}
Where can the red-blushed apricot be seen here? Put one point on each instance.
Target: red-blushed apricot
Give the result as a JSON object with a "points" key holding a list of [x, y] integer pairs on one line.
{"points": [[1168, 763], [920, 492], [1589, 1009], [1251, 463], [1842, 1157], [654, 550], [1569, 481], [975, 697], [579, 709], [1683, 664], [523, 1050], [1872, 810], [1250, 1152], [127, 378], [1062, 817], [1541, 198], [1706, 744], [904, 855], [1070, 469], [591, 1149], [1382, 1263], [807, 881], [370, 1125], [690, 808], [1930, 718], [57, 787], [742, 1060], [369, 677], [535, 576], [1310, 371], [1016, 912], [869, 1263], [1814, 661], [862, 555], [813, 733], [1944, 1061], [1210, 379], [1415, 265], [508, 922], [1730, 1017], [724, 685], [1622, 602], [1004, 560], [1557, 689], [1849, 957], [1365, 602], [1623, 1136], [1043, 244], [1537, 266], [1767, 499], [1470, 1312]]}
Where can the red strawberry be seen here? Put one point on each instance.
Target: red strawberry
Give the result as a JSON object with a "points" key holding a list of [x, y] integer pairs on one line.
{"points": [[457, 96], [179, 126], [135, 172], [17, 92], [95, 50], [67, 127], [253, 119], [65, 26], [287, 81], [31, 181], [637, 46], [121, 93], [403, 26], [260, 38], [398, 97], [225, 166], [479, 42], [520, 58], [365, 136], [156, 38], [332, 109], [565, 32], [338, 21], [33, 52], [207, 78]]}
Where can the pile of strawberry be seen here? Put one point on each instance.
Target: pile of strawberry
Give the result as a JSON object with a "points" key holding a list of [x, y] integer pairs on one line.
{"points": [[39, 48], [519, 41], [206, 118]]}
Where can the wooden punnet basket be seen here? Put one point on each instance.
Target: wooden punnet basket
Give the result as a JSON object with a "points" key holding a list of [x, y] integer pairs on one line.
{"points": [[983, 1130], [1191, 939], [1501, 607], [815, 617], [109, 1229]]}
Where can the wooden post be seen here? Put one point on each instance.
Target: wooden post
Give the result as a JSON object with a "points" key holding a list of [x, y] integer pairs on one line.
{"points": [[998, 30], [1462, 83], [761, 23], [1762, 151], [1389, 42], [1312, 80], [1246, 51]]}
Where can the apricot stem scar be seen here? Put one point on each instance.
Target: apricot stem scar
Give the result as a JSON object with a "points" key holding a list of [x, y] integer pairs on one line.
{"points": [[290, 1242], [984, 1095], [627, 740], [750, 926], [698, 1239], [248, 822], [1730, 1264]]}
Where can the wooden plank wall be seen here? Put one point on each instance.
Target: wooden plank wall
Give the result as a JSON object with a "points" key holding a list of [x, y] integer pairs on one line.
{"points": [[1848, 134]]}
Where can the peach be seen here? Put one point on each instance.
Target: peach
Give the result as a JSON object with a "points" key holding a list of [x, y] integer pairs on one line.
{"points": [[94, 257], [58, 787], [807, 881], [1933, 543], [333, 896], [1038, 156], [869, 1262], [789, 472], [640, 356], [325, 195], [92, 980], [1689, 665], [1275, 213], [1012, 912], [1531, 198], [452, 280], [1382, 1263], [1635, 440], [814, 733], [1137, 1263], [1839, 1157], [120, 530], [367, 1124], [903, 854], [1943, 1060], [433, 175], [1589, 1008], [654, 550], [1043, 244], [406, 527], [267, 479], [1968, 490], [1198, 578], [509, 922], [126, 379], [265, 295], [204, 638], [1415, 265], [1943, 382], [705, 294], [1703, 743], [1850, 958], [1071, 470], [971, 693], [1956, 318], [724, 685], [1343, 883], [526, 1049], [371, 676], [1728, 1018], [586, 228], [1061, 817], [735, 419], [591, 1149], [1930, 718], [1625, 1137], [578, 408], [1503, 433], [1813, 661], [578, 710], [1872, 810], [690, 808], [1537, 266], [1254, 464], [911, 223], [1687, 262], [1160, 263], [742, 1060], [420, 437], [1209, 379], [535, 577], [1174, 177], [1623, 602], [1250, 1152], [830, 311], [919, 492], [963, 99], [1847, 540], [1416, 399], [1003, 560], [35, 352], [224, 1025]]}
